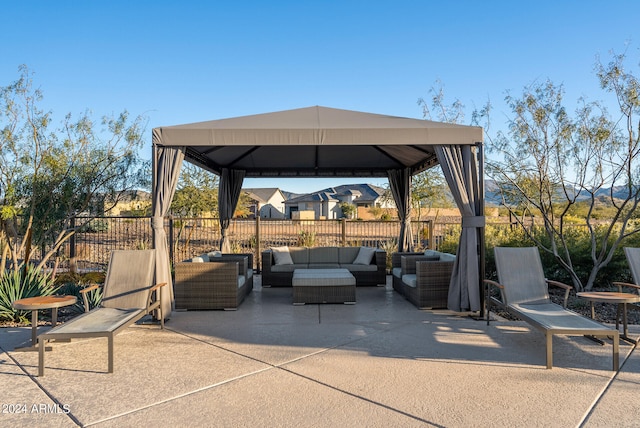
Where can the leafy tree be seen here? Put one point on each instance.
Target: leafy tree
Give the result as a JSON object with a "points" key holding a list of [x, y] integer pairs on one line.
{"points": [[50, 175], [554, 164], [196, 193], [348, 210]]}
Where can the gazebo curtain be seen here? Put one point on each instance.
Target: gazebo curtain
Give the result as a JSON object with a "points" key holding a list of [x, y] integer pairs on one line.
{"points": [[400, 184], [460, 167], [228, 195], [167, 162]]}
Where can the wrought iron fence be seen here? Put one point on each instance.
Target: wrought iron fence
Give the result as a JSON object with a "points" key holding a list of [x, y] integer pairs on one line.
{"points": [[91, 246]]}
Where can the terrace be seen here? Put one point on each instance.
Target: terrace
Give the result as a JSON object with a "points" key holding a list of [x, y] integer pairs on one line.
{"points": [[380, 362]]}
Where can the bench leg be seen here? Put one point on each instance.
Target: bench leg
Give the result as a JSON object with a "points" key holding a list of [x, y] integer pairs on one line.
{"points": [[110, 346], [549, 350]]}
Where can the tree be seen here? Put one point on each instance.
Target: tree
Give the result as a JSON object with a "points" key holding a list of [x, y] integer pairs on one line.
{"points": [[49, 176], [348, 210], [196, 193], [553, 162]]}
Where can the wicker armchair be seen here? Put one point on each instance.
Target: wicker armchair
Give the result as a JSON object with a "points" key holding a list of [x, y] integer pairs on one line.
{"points": [[217, 284], [423, 280]]}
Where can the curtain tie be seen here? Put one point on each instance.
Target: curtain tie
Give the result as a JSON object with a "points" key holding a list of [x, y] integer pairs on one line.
{"points": [[473, 221], [157, 223]]}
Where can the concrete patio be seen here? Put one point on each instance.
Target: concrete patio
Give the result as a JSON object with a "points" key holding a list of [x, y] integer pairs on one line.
{"points": [[380, 362]]}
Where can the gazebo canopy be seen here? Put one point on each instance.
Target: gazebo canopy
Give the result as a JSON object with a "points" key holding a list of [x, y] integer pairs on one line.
{"points": [[326, 142], [315, 142]]}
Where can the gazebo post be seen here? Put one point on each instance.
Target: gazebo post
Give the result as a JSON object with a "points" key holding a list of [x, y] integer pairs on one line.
{"points": [[481, 230]]}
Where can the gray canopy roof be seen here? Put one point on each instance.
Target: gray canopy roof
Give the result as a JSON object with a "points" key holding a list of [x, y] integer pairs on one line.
{"points": [[315, 142]]}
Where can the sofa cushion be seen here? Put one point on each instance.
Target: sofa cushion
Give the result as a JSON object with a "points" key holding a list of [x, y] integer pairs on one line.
{"points": [[334, 265], [323, 255], [288, 268], [241, 280], [300, 255], [446, 257], [359, 268], [365, 255], [346, 255], [281, 256], [203, 258], [409, 280]]}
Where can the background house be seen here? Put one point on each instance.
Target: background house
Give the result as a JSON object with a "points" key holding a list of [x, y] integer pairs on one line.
{"points": [[266, 202], [325, 204]]}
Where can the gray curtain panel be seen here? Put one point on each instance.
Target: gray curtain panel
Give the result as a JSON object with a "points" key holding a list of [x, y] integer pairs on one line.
{"points": [[228, 195], [167, 162], [460, 167], [400, 184]]}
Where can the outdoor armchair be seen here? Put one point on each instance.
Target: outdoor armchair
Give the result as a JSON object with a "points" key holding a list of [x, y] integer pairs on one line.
{"points": [[128, 295], [524, 294]]}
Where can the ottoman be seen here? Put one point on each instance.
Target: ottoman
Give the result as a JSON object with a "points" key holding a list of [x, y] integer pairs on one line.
{"points": [[323, 286]]}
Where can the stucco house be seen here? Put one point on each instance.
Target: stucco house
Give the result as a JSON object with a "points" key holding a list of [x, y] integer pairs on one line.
{"points": [[266, 202], [325, 204]]}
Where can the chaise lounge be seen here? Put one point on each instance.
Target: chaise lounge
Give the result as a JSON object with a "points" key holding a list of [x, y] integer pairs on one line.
{"points": [[128, 295], [524, 294]]}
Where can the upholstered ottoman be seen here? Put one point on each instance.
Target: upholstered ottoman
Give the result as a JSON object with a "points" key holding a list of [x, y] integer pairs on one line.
{"points": [[323, 286]]}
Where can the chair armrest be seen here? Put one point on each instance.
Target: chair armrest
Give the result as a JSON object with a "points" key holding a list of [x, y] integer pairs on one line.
{"points": [[490, 283], [85, 299], [567, 289], [620, 285], [397, 257], [489, 300], [150, 301]]}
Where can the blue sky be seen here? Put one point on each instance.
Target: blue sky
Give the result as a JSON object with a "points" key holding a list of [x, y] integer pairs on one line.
{"points": [[189, 61]]}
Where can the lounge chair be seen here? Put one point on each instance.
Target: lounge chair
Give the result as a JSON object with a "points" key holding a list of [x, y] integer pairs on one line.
{"points": [[633, 258], [128, 295], [524, 294]]}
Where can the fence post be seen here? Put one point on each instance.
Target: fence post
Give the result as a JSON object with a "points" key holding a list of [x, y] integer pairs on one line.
{"points": [[171, 252], [344, 232], [257, 250], [432, 245]]}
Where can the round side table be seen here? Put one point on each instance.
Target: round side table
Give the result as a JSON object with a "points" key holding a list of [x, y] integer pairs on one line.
{"points": [[35, 304], [621, 299]]}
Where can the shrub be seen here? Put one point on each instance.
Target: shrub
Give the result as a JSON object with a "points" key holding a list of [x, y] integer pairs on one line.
{"points": [[70, 284], [306, 239], [20, 284]]}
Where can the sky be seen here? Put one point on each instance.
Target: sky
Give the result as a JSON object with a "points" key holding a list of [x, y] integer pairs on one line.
{"points": [[188, 61]]}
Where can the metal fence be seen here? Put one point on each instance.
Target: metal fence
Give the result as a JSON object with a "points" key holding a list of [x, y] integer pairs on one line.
{"points": [[90, 248]]}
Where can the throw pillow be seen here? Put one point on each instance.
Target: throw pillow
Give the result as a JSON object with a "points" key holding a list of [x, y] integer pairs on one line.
{"points": [[365, 255], [282, 256], [214, 254]]}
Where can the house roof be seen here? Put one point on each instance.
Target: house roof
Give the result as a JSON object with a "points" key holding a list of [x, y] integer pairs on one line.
{"points": [[262, 194], [363, 193]]}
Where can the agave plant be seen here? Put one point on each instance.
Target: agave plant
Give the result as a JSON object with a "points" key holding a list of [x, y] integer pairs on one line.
{"points": [[19, 284]]}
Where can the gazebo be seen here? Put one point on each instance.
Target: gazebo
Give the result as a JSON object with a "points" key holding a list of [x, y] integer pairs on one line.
{"points": [[326, 142]]}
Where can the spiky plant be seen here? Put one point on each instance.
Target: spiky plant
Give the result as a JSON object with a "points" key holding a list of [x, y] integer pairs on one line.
{"points": [[20, 284]]}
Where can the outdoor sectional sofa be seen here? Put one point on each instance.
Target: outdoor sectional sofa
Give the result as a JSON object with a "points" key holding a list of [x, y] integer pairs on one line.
{"points": [[423, 278], [366, 264], [213, 281]]}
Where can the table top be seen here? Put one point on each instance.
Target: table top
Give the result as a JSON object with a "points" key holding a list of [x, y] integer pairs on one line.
{"points": [[44, 302], [609, 296]]}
